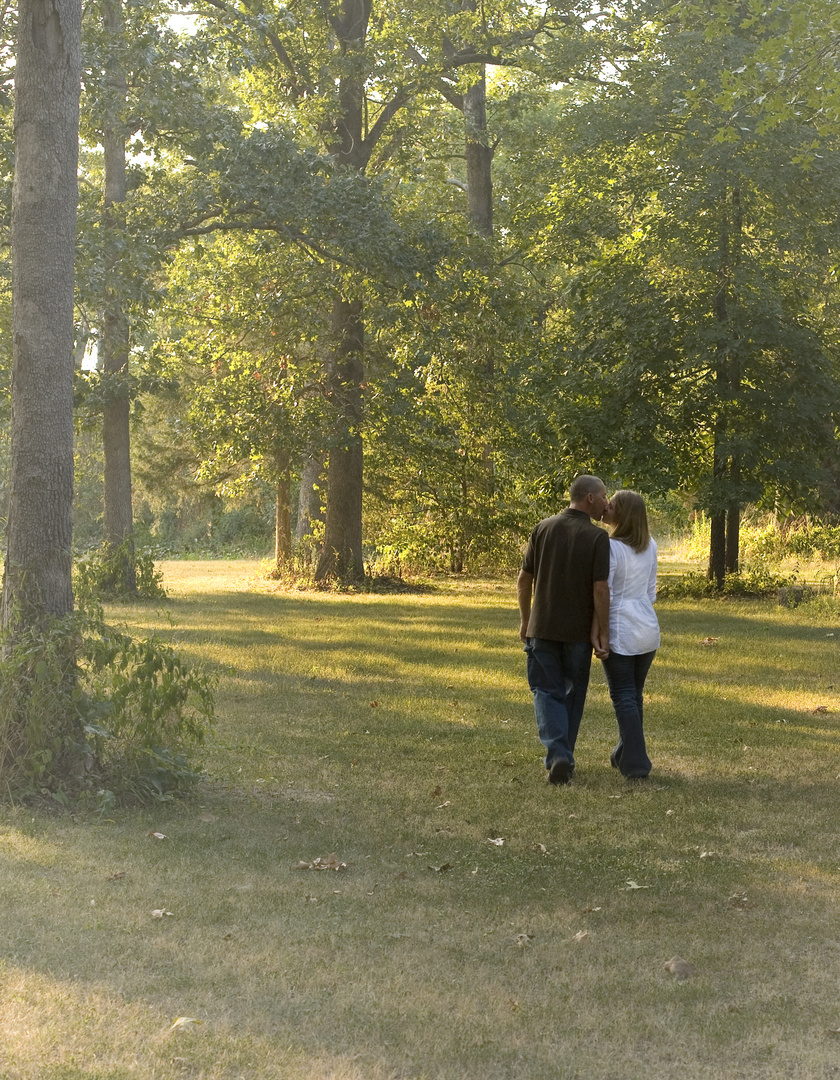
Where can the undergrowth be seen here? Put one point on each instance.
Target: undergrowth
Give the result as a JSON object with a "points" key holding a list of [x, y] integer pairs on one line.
{"points": [[87, 712]]}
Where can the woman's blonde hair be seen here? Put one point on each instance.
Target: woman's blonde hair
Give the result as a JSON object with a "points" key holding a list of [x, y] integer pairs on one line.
{"points": [[631, 523]]}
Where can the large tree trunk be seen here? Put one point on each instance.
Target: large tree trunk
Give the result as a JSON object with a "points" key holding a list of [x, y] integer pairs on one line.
{"points": [[114, 341], [341, 557], [37, 575]]}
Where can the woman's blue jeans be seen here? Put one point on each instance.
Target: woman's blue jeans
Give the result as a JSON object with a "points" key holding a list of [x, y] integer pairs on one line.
{"points": [[626, 679], [558, 674]]}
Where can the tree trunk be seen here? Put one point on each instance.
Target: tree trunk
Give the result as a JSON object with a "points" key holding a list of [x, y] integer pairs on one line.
{"points": [[310, 499], [341, 557], [114, 341], [283, 518], [479, 158], [733, 538], [726, 511], [37, 575]]}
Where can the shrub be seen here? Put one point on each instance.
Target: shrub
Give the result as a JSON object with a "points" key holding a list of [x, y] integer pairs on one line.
{"points": [[751, 581], [84, 707], [101, 574]]}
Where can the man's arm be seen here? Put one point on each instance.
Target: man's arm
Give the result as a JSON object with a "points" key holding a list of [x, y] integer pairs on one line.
{"points": [[524, 589], [601, 619]]}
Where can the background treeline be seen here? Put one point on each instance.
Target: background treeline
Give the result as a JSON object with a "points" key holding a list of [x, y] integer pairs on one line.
{"points": [[377, 281]]}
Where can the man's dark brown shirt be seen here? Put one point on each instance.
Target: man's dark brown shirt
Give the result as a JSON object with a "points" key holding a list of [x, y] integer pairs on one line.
{"points": [[566, 554]]}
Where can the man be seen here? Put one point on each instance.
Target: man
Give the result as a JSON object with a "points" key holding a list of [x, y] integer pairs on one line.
{"points": [[565, 566]]}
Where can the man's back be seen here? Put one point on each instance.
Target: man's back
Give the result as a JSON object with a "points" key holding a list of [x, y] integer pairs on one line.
{"points": [[566, 554]]}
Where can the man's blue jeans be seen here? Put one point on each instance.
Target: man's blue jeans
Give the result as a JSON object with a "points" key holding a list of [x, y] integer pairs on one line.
{"points": [[626, 679], [558, 674]]}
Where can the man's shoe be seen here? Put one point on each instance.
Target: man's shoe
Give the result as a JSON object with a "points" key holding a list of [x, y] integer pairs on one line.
{"points": [[560, 772]]}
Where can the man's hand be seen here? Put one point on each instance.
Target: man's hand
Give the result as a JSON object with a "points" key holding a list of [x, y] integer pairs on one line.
{"points": [[524, 588], [600, 634]]}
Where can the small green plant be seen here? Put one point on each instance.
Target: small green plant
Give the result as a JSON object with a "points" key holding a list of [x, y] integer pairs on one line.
{"points": [[84, 707], [117, 573]]}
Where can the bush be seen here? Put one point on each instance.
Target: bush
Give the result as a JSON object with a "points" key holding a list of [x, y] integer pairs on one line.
{"points": [[101, 574], [84, 708], [750, 582]]}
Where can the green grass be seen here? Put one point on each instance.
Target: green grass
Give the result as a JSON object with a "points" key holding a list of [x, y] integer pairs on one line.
{"points": [[397, 733]]}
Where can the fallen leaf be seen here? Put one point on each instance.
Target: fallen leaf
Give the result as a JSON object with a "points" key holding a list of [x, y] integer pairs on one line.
{"points": [[588, 909], [710, 641], [159, 913], [709, 855], [329, 862], [679, 968], [541, 848], [374, 704], [524, 940], [740, 900], [822, 709], [498, 841], [630, 885], [157, 835], [443, 805], [184, 1022], [581, 935], [514, 1005]]}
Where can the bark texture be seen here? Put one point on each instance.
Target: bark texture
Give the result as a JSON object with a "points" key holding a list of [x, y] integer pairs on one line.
{"points": [[37, 574]]}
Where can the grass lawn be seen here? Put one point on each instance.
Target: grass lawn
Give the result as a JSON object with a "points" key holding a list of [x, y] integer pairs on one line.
{"points": [[485, 925]]}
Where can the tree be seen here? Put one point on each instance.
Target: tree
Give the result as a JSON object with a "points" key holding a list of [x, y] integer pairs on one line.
{"points": [[37, 579], [697, 337]]}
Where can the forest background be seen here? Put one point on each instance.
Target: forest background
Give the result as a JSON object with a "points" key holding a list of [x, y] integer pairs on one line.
{"points": [[382, 280]]}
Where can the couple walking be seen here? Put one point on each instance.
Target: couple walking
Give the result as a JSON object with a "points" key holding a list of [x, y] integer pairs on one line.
{"points": [[581, 589]]}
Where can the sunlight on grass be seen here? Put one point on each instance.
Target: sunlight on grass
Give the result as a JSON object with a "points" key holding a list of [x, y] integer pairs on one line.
{"points": [[395, 734]]}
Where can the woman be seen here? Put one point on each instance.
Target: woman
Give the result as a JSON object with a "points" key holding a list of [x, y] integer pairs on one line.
{"points": [[634, 629]]}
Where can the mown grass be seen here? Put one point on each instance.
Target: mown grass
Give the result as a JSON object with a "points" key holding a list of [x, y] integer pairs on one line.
{"points": [[396, 732]]}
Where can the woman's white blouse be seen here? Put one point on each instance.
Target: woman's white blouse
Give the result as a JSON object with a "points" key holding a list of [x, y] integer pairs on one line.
{"points": [[634, 628]]}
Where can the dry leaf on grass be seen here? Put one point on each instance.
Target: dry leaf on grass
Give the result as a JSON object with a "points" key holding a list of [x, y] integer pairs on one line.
{"points": [[740, 900], [181, 1022], [581, 935], [330, 862], [523, 940], [629, 886], [710, 641], [157, 835], [822, 709], [497, 841], [679, 968], [160, 913]]}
